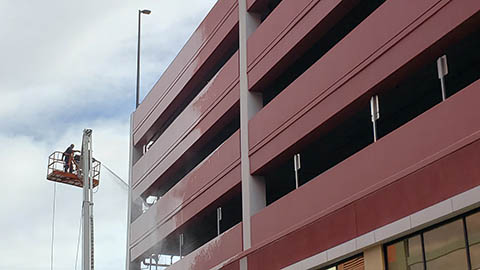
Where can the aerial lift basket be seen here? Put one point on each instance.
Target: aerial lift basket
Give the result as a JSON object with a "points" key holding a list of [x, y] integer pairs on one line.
{"points": [[56, 170]]}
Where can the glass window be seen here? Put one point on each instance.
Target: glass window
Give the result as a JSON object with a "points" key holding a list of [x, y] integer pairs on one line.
{"points": [[445, 247], [473, 230], [405, 254]]}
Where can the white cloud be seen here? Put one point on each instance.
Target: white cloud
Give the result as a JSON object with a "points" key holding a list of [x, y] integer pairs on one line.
{"points": [[66, 66], [63, 57]]}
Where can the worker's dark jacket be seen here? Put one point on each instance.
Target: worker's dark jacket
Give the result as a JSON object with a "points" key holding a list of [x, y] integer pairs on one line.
{"points": [[67, 153]]}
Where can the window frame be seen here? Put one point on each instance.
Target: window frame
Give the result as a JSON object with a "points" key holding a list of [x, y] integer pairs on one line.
{"points": [[421, 232]]}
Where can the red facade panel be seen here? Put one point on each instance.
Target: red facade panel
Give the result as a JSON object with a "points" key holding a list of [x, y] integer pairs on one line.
{"points": [[214, 252], [375, 166], [232, 266], [197, 56], [255, 5], [282, 37], [228, 107], [324, 233], [218, 90], [447, 177], [153, 165], [439, 181], [147, 238], [367, 192], [351, 69], [223, 163]]}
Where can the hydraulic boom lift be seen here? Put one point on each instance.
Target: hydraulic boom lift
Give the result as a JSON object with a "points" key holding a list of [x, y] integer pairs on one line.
{"points": [[85, 173]]}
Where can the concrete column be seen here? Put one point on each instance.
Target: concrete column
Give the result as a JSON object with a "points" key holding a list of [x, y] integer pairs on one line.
{"points": [[373, 258], [133, 155], [129, 198], [134, 266], [253, 188], [243, 263]]}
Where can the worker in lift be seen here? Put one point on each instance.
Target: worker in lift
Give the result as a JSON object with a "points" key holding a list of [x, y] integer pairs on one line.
{"points": [[67, 156]]}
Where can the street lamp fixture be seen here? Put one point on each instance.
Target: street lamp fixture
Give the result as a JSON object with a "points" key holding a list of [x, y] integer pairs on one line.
{"points": [[140, 12]]}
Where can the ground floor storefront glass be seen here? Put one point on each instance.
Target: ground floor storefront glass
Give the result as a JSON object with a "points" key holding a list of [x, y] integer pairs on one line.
{"points": [[453, 245]]}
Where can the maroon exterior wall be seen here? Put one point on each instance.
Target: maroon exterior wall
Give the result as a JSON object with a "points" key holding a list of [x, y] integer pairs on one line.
{"points": [[197, 55], [354, 67], [217, 101], [287, 33], [223, 247], [429, 159]]}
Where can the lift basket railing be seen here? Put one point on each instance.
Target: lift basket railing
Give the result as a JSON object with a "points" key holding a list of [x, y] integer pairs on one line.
{"points": [[59, 172]]}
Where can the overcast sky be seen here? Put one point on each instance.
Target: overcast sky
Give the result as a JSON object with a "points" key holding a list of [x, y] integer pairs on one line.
{"points": [[66, 66]]}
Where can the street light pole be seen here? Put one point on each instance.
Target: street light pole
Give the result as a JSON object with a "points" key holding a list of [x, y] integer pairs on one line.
{"points": [[140, 12]]}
